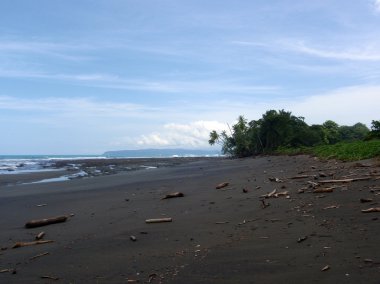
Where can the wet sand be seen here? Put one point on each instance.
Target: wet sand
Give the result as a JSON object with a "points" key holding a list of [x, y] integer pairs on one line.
{"points": [[216, 236]]}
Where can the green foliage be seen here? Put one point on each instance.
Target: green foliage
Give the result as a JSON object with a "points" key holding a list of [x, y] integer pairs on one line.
{"points": [[345, 151], [282, 132], [375, 130], [348, 151]]}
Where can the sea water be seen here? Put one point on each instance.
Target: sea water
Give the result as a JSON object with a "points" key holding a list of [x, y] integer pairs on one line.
{"points": [[17, 164]]}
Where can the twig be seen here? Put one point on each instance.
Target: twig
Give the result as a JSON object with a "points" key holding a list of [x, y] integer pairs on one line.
{"points": [[344, 180], [49, 277], [325, 268], [24, 244], [158, 220], [302, 176], [39, 255], [40, 236], [331, 207], [371, 210]]}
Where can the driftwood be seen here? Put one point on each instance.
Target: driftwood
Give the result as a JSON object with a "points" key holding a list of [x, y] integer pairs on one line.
{"points": [[25, 244], [40, 236], [364, 200], [325, 268], [173, 195], [313, 184], [270, 194], [158, 220], [275, 194], [301, 239], [274, 179], [221, 185], [39, 255], [323, 190], [302, 176], [49, 277], [44, 222], [371, 210], [264, 205], [331, 207], [344, 180]]}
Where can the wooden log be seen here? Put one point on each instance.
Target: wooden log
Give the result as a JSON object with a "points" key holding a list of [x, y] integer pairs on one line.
{"points": [[25, 244], [371, 210], [302, 176], [323, 190], [364, 200], [221, 185], [158, 220], [344, 180], [44, 222], [173, 195]]}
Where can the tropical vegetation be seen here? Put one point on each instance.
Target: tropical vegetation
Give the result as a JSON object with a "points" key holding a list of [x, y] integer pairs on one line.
{"points": [[282, 132]]}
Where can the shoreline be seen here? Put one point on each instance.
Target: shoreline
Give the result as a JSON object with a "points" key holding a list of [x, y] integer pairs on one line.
{"points": [[216, 235], [68, 169]]}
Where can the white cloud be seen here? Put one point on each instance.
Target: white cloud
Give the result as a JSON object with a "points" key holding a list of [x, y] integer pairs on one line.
{"points": [[362, 53], [368, 51], [194, 134], [346, 106], [111, 81], [376, 5]]}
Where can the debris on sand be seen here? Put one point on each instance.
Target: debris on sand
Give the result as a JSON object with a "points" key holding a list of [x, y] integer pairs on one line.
{"points": [[173, 195], [44, 222], [301, 239], [324, 190], [221, 185], [158, 220], [327, 267], [39, 255], [371, 210], [364, 200], [40, 236], [25, 244]]}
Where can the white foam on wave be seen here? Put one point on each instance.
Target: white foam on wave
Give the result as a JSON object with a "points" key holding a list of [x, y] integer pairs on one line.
{"points": [[61, 178]]}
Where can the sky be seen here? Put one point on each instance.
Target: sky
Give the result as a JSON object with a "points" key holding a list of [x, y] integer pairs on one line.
{"points": [[85, 77]]}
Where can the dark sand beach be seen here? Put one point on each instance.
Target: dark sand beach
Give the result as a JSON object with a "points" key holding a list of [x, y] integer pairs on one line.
{"points": [[227, 235]]}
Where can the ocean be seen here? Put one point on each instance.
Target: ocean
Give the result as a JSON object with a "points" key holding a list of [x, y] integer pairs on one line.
{"points": [[16, 164]]}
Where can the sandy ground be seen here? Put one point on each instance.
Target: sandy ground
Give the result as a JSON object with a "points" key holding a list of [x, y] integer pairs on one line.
{"points": [[222, 235]]}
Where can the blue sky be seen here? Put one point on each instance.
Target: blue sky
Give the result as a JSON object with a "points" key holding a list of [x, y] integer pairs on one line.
{"points": [[84, 77]]}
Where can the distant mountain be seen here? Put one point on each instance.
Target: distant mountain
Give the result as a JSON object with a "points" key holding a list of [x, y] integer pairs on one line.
{"points": [[161, 153]]}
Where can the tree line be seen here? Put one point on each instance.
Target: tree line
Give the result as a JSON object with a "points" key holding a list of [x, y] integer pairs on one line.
{"points": [[282, 129]]}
